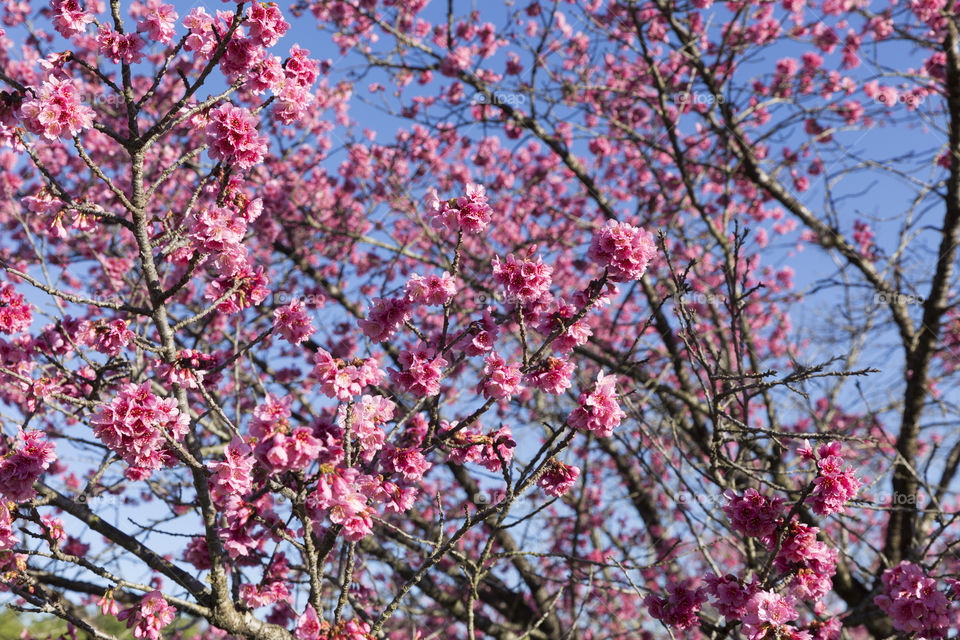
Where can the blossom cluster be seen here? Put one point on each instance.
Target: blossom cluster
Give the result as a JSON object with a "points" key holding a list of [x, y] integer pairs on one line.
{"points": [[149, 617], [598, 410], [558, 478], [753, 514], [679, 607], [15, 311], [469, 212], [56, 111], [232, 135], [421, 371], [311, 627], [834, 486], [623, 249], [344, 380], [136, 426], [280, 446], [292, 322], [486, 449], [24, 464], [525, 280], [911, 598]]}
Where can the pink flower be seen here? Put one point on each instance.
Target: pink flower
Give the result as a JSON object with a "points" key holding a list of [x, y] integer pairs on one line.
{"points": [[421, 372], [730, 595], [623, 249], [133, 425], [343, 381], [473, 211], [471, 446], [432, 289], [571, 334], [408, 462], [480, 337], [599, 410], [267, 75], [679, 607], [69, 18], [752, 514], [125, 48], [292, 322], [233, 475], [241, 55], [266, 23], [24, 464], [834, 485], [8, 538], [108, 606], [456, 61], [249, 287], [525, 280], [385, 317], [106, 337], [15, 312], [190, 368], [500, 380], [810, 562], [766, 611], [299, 69], [470, 212], [158, 22], [201, 39], [232, 135], [911, 599], [366, 418], [56, 111], [149, 617], [339, 494], [553, 376], [558, 478], [217, 229], [308, 625]]}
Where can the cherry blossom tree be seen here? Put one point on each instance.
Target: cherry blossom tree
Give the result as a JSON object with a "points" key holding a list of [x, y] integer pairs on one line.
{"points": [[547, 320]]}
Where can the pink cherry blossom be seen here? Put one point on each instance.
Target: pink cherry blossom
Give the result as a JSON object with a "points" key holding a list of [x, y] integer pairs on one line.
{"points": [[500, 380], [232, 135], [135, 425], [56, 111], [69, 18], [678, 607], [525, 280], [293, 323], [753, 514], [558, 478], [623, 249], [23, 465], [598, 410], [15, 311], [911, 598], [158, 22], [421, 372], [149, 617]]}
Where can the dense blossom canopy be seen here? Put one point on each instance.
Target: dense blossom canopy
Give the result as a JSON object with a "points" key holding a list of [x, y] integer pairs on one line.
{"points": [[355, 319]]}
